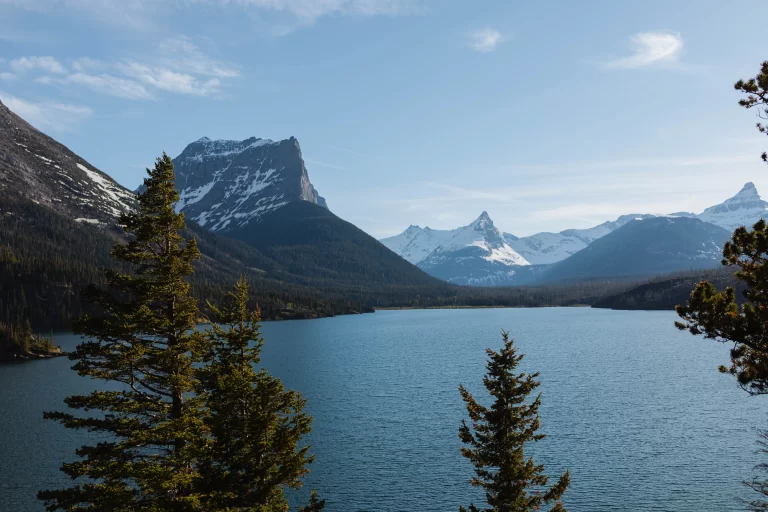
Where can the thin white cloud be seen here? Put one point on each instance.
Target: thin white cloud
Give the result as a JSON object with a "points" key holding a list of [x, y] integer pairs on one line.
{"points": [[141, 14], [7, 76], [47, 114], [171, 81], [485, 40], [111, 85], [178, 67], [181, 54], [48, 64], [651, 48]]}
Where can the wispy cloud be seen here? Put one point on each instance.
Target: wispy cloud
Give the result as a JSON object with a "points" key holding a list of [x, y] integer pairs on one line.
{"points": [[171, 81], [7, 76], [178, 67], [485, 40], [47, 114], [48, 64], [651, 48], [110, 85], [140, 14]]}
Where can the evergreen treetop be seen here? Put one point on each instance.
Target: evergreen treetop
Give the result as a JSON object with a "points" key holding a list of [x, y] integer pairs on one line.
{"points": [[256, 426], [496, 436], [142, 340]]}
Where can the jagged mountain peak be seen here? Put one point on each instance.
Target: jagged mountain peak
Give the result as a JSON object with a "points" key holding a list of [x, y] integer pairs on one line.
{"points": [[743, 209], [748, 188], [483, 222], [227, 184], [478, 248]]}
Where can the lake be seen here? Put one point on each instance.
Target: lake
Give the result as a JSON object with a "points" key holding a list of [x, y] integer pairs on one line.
{"points": [[635, 409]]}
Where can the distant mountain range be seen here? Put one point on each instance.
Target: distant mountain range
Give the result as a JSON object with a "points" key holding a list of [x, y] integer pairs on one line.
{"points": [[479, 254], [254, 211]]}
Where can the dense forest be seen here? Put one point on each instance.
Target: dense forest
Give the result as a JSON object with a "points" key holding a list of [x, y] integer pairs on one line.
{"points": [[20, 342], [46, 260], [667, 292]]}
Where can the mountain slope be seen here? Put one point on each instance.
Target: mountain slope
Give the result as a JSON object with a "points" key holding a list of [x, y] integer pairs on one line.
{"points": [[743, 209], [226, 184], [48, 173], [309, 240], [642, 248], [546, 248]]}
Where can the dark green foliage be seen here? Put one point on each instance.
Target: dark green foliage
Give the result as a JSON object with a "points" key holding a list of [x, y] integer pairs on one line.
{"points": [[143, 342], [18, 342], [717, 314], [497, 435], [256, 426], [666, 292], [756, 90], [310, 241], [46, 260]]}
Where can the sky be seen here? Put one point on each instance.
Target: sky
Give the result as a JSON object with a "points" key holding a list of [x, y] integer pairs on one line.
{"points": [[547, 115]]}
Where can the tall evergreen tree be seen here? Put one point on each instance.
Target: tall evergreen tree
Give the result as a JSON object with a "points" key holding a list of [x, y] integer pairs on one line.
{"points": [[256, 426], [497, 437], [143, 342], [717, 315]]}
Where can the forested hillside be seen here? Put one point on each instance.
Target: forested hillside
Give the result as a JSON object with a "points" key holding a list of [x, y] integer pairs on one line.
{"points": [[666, 292]]}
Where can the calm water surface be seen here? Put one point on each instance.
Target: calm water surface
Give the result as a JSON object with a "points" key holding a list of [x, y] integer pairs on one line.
{"points": [[633, 408]]}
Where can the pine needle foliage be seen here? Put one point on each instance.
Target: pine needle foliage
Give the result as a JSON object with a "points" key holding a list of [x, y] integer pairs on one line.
{"points": [[716, 314], [496, 436], [143, 343], [256, 426]]}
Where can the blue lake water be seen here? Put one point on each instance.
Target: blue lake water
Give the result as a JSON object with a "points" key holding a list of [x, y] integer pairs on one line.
{"points": [[633, 408]]}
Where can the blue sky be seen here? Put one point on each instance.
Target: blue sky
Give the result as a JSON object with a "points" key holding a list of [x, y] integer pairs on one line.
{"points": [[549, 115]]}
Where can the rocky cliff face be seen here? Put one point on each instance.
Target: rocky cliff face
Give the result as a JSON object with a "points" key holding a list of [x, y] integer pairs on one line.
{"points": [[38, 168], [227, 184]]}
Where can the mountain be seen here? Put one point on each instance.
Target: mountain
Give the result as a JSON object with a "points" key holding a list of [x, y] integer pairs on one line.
{"points": [[743, 209], [258, 191], [546, 248], [49, 174], [58, 224], [644, 247], [227, 184], [467, 260], [476, 254]]}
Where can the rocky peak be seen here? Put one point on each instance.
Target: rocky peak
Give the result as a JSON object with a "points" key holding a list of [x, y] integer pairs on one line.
{"points": [[226, 184], [483, 222], [743, 209]]}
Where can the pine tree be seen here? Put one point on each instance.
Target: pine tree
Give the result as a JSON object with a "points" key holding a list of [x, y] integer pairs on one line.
{"points": [[142, 341], [255, 425], [497, 437], [716, 314]]}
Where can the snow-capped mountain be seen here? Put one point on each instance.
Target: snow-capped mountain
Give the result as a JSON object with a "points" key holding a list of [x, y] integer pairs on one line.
{"points": [[743, 209], [546, 248], [40, 169], [449, 254], [476, 254], [226, 184]]}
